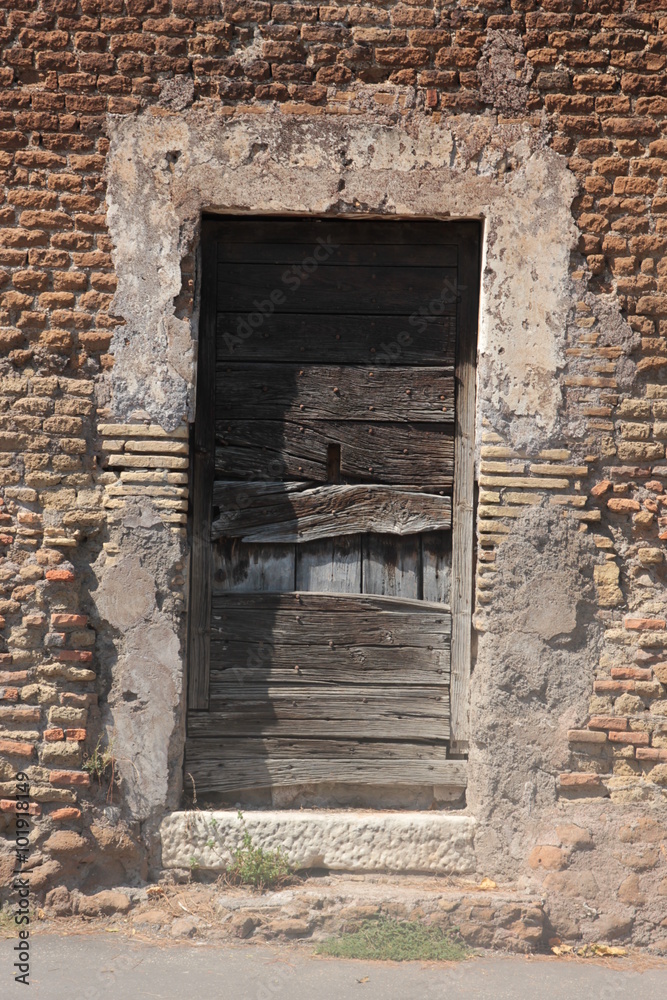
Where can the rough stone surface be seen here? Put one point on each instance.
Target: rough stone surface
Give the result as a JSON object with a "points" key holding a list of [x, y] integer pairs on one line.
{"points": [[343, 841]]}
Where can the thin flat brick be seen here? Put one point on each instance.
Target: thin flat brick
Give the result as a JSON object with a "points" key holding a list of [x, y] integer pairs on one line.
{"points": [[66, 778], [14, 748], [637, 739]]}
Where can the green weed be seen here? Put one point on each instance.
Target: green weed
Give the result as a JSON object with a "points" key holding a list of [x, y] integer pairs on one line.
{"points": [[396, 941]]}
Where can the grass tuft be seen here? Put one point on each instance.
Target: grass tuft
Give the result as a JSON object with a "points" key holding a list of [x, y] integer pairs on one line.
{"points": [[396, 941]]}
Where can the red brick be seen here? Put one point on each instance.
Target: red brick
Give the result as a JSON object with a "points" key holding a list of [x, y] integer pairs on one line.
{"points": [[59, 575], [74, 655], [579, 780], [15, 748], [65, 778], [9, 805], [607, 722], [64, 814], [54, 735], [644, 624], [69, 620], [651, 753], [637, 739], [77, 735]]}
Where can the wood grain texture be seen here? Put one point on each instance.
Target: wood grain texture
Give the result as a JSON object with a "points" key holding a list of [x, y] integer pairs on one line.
{"points": [[342, 604], [330, 564], [331, 392], [332, 289], [301, 512], [270, 663], [215, 772], [288, 748], [374, 453], [437, 566], [338, 340], [240, 567], [392, 566]]}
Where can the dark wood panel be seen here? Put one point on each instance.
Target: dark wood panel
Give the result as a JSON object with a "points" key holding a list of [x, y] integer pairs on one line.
{"points": [[299, 512], [387, 340], [380, 453], [321, 251], [400, 232], [220, 774], [314, 392], [241, 568], [272, 662], [333, 289]]}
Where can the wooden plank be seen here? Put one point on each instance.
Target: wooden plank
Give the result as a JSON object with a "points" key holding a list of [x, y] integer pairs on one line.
{"points": [[270, 663], [464, 490], [330, 392], [343, 662], [392, 566], [334, 289], [399, 232], [286, 748], [232, 774], [387, 340], [302, 629], [330, 565], [341, 604], [242, 568], [384, 453], [299, 512], [203, 453], [437, 566], [307, 254]]}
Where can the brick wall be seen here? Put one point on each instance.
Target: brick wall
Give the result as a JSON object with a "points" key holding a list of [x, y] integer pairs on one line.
{"points": [[590, 74]]}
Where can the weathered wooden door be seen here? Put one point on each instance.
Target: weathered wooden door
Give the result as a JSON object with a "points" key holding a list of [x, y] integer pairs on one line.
{"points": [[325, 441]]}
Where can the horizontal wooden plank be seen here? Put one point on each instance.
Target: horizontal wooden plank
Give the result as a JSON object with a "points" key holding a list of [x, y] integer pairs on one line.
{"points": [[320, 715], [334, 603], [341, 340], [378, 291], [299, 512], [305, 255], [381, 453], [331, 392], [228, 775], [286, 748], [399, 232], [324, 665], [305, 629]]}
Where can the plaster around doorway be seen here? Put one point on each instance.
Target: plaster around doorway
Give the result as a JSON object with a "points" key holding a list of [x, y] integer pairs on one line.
{"points": [[165, 169]]}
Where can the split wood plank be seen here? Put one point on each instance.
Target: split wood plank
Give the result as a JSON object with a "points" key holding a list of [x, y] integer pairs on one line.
{"points": [[384, 453], [340, 604], [299, 512], [329, 392], [337, 340]]}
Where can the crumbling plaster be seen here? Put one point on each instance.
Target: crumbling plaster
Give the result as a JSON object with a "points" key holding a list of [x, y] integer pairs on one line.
{"points": [[166, 168]]}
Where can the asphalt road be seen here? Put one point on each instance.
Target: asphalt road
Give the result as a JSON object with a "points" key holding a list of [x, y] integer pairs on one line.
{"points": [[105, 967]]}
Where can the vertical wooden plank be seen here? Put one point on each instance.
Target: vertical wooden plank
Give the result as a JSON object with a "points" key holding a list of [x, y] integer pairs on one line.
{"points": [[332, 565], [464, 474], [244, 568], [392, 565], [437, 566], [203, 464]]}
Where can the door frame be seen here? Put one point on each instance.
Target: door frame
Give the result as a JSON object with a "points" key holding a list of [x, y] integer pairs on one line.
{"points": [[463, 500]]}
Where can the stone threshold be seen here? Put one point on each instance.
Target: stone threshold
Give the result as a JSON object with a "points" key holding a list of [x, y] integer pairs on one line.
{"points": [[336, 840]]}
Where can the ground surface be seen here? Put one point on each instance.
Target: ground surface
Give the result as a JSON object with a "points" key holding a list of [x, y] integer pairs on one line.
{"points": [[97, 967]]}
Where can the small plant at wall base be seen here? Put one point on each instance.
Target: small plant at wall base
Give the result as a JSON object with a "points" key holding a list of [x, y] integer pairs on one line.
{"points": [[256, 866]]}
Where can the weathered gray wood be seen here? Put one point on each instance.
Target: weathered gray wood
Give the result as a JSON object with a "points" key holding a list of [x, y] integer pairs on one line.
{"points": [[329, 392], [392, 566], [384, 453], [243, 568], [203, 474], [337, 340], [332, 289], [286, 748], [464, 493], [437, 566], [340, 604], [299, 512], [249, 663], [343, 662], [232, 774], [330, 565]]}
